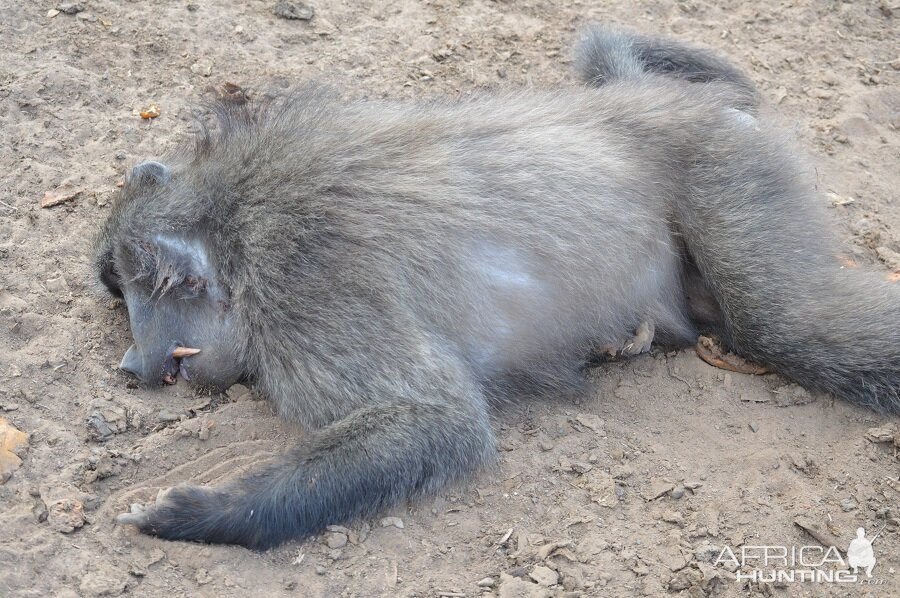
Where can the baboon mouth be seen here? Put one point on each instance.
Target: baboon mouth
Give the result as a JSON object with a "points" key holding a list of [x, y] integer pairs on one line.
{"points": [[171, 377]]}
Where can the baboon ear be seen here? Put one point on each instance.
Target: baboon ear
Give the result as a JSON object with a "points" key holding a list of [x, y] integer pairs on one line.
{"points": [[148, 172]]}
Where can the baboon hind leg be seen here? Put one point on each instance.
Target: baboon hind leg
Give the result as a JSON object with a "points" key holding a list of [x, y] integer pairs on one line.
{"points": [[639, 343]]}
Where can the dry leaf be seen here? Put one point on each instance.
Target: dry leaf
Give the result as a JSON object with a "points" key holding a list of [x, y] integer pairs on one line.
{"points": [[710, 351], [13, 443], [61, 194], [152, 111]]}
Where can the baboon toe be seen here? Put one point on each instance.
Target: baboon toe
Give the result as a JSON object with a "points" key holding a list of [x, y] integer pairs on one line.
{"points": [[641, 341]]}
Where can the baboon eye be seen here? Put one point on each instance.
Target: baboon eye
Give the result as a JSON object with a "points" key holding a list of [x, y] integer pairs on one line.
{"points": [[195, 284], [169, 264], [110, 277]]}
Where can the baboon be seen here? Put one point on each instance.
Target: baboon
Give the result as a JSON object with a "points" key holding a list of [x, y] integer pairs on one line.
{"points": [[388, 274]]}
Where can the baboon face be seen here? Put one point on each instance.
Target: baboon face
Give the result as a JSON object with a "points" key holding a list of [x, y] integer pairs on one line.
{"points": [[181, 315]]}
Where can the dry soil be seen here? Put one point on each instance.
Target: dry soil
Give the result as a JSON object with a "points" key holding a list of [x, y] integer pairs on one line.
{"points": [[633, 490]]}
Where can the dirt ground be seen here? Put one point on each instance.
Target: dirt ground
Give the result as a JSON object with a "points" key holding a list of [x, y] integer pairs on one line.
{"points": [[633, 490]]}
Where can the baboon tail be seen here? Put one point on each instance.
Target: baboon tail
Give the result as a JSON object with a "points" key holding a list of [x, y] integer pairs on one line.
{"points": [[759, 237], [605, 54]]}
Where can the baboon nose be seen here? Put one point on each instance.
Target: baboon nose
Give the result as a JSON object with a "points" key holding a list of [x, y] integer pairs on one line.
{"points": [[132, 362]]}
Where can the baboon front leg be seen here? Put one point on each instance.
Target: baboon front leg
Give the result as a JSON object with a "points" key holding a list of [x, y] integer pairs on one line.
{"points": [[376, 457]]}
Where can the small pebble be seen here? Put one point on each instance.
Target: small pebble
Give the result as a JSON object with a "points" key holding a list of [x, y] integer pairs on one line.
{"points": [[239, 392], [105, 423], [487, 582], [582, 468], [335, 540], [544, 576], [684, 579], [57, 285], [294, 11], [884, 434], [66, 515], [168, 416], [71, 8], [656, 489], [392, 521], [706, 553], [672, 517], [202, 67]]}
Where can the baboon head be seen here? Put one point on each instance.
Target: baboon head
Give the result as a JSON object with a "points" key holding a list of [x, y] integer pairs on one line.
{"points": [[154, 253]]}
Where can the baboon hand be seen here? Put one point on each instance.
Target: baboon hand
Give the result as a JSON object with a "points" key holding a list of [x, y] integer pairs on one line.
{"points": [[170, 511]]}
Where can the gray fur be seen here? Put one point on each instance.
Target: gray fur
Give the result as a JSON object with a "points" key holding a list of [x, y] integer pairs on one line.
{"points": [[606, 54], [393, 271]]}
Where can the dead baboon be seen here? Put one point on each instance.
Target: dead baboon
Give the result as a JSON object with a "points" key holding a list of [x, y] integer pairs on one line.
{"points": [[386, 274]]}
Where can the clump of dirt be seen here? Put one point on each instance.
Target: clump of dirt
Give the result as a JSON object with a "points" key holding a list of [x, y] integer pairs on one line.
{"points": [[634, 490]]}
